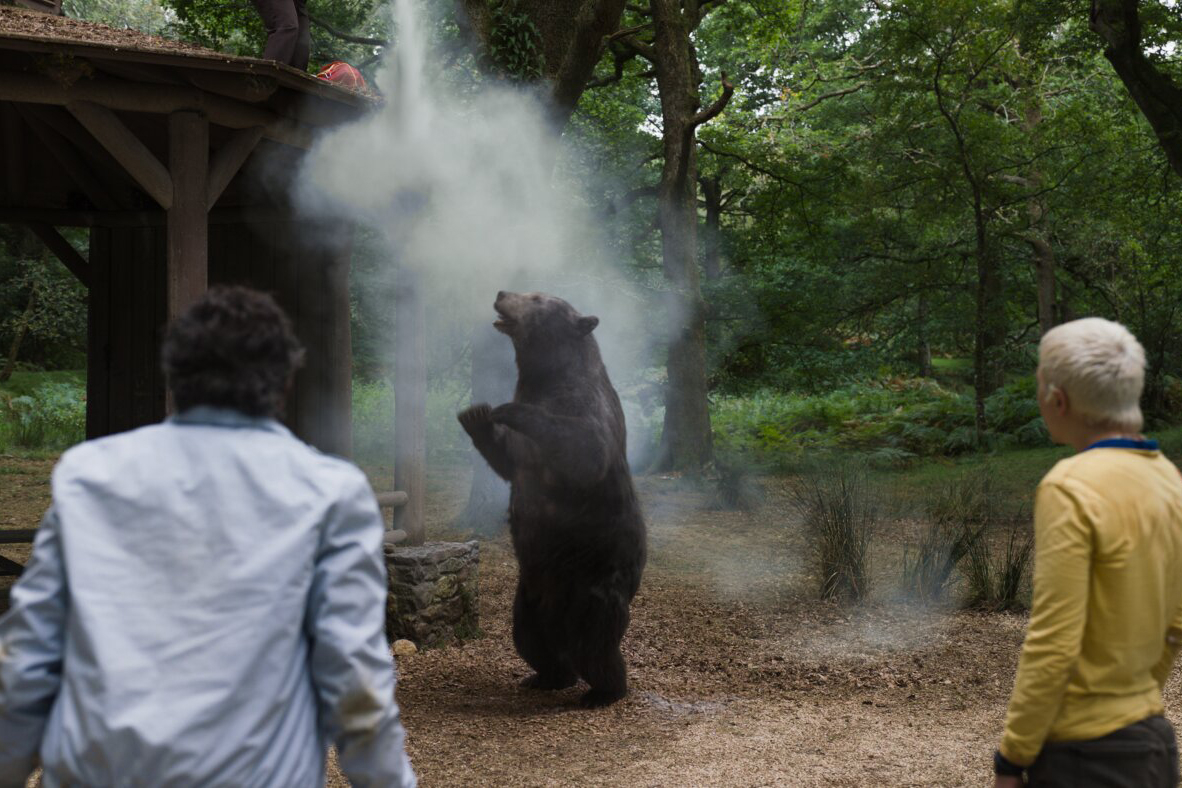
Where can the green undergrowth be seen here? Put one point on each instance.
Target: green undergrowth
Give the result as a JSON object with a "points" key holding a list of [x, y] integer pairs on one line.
{"points": [[42, 411], [890, 423]]}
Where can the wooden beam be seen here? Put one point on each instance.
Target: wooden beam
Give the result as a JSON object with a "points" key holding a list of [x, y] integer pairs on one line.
{"points": [[251, 88], [14, 151], [121, 187], [188, 220], [65, 218], [160, 99], [391, 500], [17, 535], [127, 149], [63, 250], [136, 72], [228, 160], [75, 165]]}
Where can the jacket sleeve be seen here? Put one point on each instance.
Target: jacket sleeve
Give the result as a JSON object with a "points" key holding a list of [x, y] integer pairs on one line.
{"points": [[32, 637], [352, 669], [1062, 567]]}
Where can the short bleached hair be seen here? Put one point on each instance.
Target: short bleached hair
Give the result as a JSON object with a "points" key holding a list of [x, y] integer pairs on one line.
{"points": [[1100, 365]]}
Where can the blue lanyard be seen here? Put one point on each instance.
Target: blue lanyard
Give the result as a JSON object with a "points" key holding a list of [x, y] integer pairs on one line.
{"points": [[1124, 443]]}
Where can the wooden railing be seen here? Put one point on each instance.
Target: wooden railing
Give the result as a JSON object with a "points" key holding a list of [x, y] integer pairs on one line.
{"points": [[10, 568]]}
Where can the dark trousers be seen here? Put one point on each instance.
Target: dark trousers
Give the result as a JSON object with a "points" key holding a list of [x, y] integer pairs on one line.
{"points": [[289, 38], [1143, 755]]}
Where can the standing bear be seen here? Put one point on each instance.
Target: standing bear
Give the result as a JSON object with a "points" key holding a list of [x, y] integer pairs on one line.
{"points": [[573, 515]]}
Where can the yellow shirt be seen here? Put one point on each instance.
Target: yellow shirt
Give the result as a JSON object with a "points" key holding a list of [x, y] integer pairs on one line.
{"points": [[1106, 621]]}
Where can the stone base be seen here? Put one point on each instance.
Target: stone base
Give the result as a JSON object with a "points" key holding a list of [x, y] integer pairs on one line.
{"points": [[433, 592]]}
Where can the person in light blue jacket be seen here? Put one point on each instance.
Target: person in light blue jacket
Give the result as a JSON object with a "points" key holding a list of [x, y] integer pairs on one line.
{"points": [[204, 605]]}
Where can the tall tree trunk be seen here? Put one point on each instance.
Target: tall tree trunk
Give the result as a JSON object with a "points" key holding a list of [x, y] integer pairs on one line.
{"points": [[923, 344], [1044, 266], [1036, 210], [493, 375], [22, 328], [712, 243], [686, 441], [1160, 100], [989, 346]]}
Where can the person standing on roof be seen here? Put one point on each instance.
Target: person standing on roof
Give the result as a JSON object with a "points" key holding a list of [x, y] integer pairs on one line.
{"points": [[205, 603], [289, 36]]}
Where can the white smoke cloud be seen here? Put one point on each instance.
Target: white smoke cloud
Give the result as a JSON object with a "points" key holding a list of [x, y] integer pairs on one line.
{"points": [[461, 187]]}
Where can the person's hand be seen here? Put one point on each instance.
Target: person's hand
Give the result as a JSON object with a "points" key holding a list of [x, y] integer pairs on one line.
{"points": [[1007, 782]]}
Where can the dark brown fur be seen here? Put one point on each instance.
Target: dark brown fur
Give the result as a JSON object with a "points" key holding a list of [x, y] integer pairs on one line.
{"points": [[576, 524]]}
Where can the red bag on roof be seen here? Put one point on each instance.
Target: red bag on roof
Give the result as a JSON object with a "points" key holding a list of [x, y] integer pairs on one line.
{"points": [[343, 74]]}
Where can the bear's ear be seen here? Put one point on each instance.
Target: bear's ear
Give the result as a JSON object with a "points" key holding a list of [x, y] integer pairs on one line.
{"points": [[587, 325]]}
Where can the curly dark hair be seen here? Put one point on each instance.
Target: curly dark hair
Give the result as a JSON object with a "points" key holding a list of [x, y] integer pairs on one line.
{"points": [[234, 348]]}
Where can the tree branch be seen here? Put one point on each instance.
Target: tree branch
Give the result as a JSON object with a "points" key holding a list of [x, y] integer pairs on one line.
{"points": [[727, 91], [832, 94], [638, 47], [1158, 97], [353, 39]]}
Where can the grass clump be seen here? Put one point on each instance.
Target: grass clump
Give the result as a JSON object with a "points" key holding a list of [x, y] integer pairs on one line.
{"points": [[960, 537], [839, 516]]}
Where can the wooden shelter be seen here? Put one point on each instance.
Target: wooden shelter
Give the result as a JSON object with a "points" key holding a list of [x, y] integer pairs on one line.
{"points": [[182, 163]]}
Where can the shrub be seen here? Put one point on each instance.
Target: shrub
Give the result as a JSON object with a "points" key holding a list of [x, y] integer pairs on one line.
{"points": [[961, 519], [736, 489], [53, 417], [839, 517]]}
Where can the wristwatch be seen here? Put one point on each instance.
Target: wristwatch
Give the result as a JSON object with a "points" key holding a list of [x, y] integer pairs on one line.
{"points": [[1004, 767]]}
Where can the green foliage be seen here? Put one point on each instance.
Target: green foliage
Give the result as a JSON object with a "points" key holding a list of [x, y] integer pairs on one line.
{"points": [[839, 516], [55, 326], [53, 417], [146, 16], [234, 26], [373, 423], [891, 421], [514, 43]]}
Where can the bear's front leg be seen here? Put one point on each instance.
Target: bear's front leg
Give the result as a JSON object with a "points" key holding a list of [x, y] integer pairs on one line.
{"points": [[573, 447], [489, 438]]}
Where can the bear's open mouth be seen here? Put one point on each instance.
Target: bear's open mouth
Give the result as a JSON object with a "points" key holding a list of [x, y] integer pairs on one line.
{"points": [[503, 321]]}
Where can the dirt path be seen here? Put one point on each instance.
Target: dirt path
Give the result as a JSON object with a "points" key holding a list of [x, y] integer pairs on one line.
{"points": [[738, 677]]}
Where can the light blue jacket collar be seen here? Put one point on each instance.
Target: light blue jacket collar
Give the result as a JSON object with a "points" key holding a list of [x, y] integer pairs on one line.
{"points": [[209, 415]]}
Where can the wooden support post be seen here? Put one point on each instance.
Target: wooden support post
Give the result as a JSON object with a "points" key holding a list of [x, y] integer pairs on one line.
{"points": [[338, 341], [127, 149], [63, 250], [14, 153], [228, 160], [410, 403], [188, 220]]}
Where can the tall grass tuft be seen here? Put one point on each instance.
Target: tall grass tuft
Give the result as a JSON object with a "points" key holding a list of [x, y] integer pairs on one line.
{"points": [[996, 579], [962, 518], [839, 516]]}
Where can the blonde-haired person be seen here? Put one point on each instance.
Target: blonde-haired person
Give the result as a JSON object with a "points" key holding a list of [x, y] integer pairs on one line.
{"points": [[1106, 620]]}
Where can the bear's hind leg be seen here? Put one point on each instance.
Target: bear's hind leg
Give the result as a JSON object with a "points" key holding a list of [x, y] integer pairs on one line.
{"points": [[596, 653], [530, 638]]}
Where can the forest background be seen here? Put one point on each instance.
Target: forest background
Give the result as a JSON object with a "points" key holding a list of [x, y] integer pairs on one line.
{"points": [[865, 213]]}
